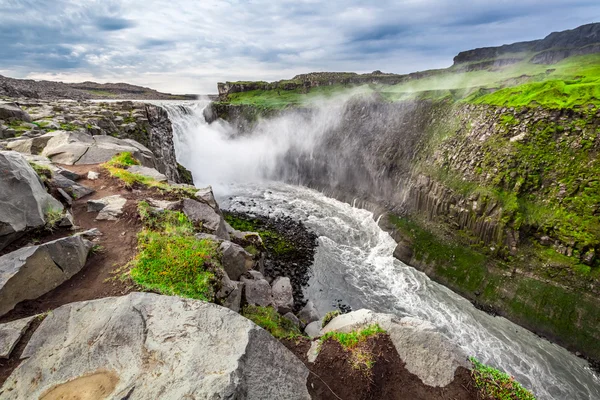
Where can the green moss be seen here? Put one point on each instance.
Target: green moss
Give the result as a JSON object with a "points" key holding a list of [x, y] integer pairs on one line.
{"points": [[68, 127], [273, 241], [171, 260], [43, 172], [269, 319], [494, 384]]}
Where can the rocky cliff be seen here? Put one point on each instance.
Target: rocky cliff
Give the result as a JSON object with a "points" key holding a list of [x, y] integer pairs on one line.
{"points": [[516, 188]]}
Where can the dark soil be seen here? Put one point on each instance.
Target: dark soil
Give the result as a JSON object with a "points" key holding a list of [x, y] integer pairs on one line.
{"points": [[295, 264], [332, 376]]}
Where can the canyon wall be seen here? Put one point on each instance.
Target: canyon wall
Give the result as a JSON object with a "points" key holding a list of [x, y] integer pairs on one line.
{"points": [[506, 200]]}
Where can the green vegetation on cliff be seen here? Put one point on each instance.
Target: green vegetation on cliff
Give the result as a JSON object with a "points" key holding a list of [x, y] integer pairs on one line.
{"points": [[269, 319], [494, 384], [273, 241]]}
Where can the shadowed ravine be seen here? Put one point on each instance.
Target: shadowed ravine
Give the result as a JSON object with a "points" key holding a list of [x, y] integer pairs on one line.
{"points": [[354, 261]]}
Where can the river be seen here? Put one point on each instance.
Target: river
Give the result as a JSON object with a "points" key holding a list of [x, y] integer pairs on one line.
{"points": [[354, 263]]}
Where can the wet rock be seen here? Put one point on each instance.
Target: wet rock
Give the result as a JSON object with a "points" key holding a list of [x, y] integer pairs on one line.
{"points": [[10, 333], [30, 272], [403, 252], [235, 260], [258, 293], [24, 201], [283, 298], [309, 313], [199, 212], [141, 337]]}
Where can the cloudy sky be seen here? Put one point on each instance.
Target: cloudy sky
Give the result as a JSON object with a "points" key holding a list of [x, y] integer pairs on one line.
{"points": [[186, 46]]}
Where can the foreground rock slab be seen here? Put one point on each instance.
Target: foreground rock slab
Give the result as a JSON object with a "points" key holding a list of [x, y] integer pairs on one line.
{"points": [[23, 199], [32, 271], [10, 333], [427, 352], [146, 346]]}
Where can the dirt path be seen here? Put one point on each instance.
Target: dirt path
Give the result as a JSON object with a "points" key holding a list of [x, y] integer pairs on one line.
{"points": [[116, 247]]}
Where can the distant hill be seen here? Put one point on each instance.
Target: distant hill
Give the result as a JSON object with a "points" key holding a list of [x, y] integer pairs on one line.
{"points": [[17, 88], [553, 48]]}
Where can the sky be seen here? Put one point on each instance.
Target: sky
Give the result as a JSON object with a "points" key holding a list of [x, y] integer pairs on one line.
{"points": [[187, 46]]}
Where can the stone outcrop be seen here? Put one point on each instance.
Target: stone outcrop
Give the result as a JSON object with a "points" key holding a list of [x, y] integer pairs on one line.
{"points": [[283, 297], [211, 218], [12, 112], [109, 208], [426, 352], [24, 201], [235, 260], [30, 272], [146, 346]]}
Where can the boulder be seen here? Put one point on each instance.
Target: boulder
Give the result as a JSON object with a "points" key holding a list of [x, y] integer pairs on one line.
{"points": [[147, 346], [24, 201], [235, 260], [30, 272], [292, 318], [313, 329], [427, 352], [283, 295], [74, 189], [147, 172], [308, 314], [210, 219], [110, 207], [10, 333], [93, 175], [69, 174], [258, 293], [32, 146], [12, 112], [207, 196], [161, 205]]}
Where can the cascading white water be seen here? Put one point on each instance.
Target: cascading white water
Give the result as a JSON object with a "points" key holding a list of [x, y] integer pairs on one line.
{"points": [[354, 261]]}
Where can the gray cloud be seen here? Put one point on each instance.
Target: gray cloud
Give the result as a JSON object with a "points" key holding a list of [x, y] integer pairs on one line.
{"points": [[187, 46]]}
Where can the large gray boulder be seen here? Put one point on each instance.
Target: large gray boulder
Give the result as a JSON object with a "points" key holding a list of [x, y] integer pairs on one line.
{"points": [[30, 272], [210, 219], [235, 260], [146, 346], [24, 201], [427, 352], [12, 111], [283, 295]]}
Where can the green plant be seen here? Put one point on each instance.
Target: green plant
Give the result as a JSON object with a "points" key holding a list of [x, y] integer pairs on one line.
{"points": [[329, 316], [269, 319], [171, 260], [497, 385], [361, 357], [43, 172], [273, 241], [52, 217], [97, 249], [122, 160]]}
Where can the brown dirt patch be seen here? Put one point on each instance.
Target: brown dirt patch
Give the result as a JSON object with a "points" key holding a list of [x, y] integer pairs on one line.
{"points": [[118, 246], [332, 376], [96, 386]]}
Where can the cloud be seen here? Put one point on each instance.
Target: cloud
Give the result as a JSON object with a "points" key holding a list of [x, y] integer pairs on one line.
{"points": [[187, 46]]}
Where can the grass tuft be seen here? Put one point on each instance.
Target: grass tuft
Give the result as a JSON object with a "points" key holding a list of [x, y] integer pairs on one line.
{"points": [[329, 316], [270, 320], [361, 358], [497, 385], [171, 260]]}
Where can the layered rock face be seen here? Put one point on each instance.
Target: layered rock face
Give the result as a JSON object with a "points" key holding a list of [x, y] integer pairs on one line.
{"points": [[146, 346], [86, 132], [518, 183]]}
